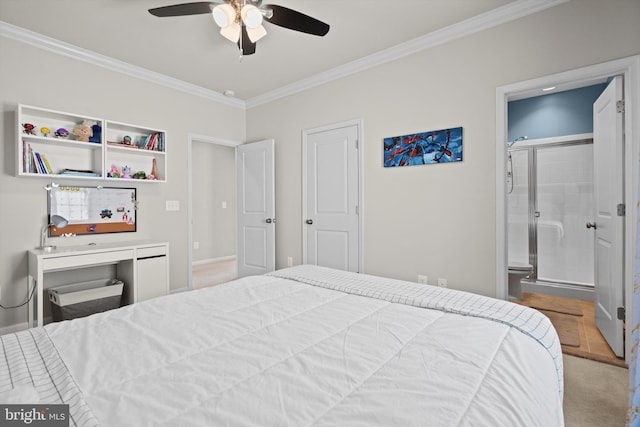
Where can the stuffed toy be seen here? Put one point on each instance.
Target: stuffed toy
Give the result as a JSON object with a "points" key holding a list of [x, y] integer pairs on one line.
{"points": [[126, 172], [83, 131], [114, 172]]}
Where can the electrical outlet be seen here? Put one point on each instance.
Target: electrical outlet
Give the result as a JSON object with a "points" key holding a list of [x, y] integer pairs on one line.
{"points": [[196, 245], [173, 205], [289, 261], [423, 279], [442, 282]]}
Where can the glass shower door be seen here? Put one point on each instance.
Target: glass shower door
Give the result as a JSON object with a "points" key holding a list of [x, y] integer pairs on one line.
{"points": [[565, 247]]}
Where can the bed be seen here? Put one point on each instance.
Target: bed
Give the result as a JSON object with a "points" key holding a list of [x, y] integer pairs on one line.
{"points": [[301, 346]]}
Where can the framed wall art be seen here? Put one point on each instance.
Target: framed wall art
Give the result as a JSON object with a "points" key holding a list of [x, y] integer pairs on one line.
{"points": [[438, 146]]}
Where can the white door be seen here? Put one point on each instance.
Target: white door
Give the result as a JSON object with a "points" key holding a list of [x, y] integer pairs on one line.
{"points": [[608, 226], [255, 208], [331, 224]]}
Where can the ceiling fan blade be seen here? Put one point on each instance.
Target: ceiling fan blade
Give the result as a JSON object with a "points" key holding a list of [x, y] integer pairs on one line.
{"points": [[196, 8], [247, 47], [293, 20]]}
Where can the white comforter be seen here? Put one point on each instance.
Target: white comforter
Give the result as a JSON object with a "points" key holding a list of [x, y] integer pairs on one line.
{"points": [[272, 351]]}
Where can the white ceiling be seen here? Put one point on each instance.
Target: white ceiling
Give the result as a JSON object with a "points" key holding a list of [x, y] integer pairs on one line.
{"points": [[190, 49]]}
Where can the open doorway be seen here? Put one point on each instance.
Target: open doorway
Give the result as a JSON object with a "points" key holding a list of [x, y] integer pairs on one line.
{"points": [[629, 69], [212, 211], [550, 192]]}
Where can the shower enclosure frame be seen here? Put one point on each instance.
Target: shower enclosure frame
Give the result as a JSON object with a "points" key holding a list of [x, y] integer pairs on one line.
{"points": [[532, 147]]}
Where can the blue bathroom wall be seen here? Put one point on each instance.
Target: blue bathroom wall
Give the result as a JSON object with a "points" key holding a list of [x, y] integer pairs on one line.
{"points": [[556, 114]]}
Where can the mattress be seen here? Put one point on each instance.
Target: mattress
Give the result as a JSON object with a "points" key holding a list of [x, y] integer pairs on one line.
{"points": [[303, 346]]}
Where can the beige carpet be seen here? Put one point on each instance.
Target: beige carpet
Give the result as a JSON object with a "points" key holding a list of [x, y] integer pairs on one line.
{"points": [[595, 394]]}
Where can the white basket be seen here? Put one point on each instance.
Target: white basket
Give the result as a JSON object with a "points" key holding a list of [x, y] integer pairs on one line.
{"points": [[85, 291]]}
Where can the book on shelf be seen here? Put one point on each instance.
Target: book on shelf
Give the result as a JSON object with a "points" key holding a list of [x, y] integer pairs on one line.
{"points": [[153, 142], [79, 172], [40, 164], [34, 162], [24, 156], [47, 165], [122, 144]]}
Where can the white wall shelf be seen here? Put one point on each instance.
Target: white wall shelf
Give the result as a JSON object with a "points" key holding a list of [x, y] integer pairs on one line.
{"points": [[115, 146]]}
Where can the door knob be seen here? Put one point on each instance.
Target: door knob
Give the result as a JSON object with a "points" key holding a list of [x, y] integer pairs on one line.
{"points": [[591, 225], [309, 221], [270, 220]]}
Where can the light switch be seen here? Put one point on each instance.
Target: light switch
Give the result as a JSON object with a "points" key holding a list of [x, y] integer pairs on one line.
{"points": [[173, 205], [224, 205]]}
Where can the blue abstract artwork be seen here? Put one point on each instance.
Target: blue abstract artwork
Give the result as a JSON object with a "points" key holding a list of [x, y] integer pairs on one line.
{"points": [[438, 146]]}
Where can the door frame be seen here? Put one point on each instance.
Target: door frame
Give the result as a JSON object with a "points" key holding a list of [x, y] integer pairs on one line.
{"points": [[360, 132], [629, 68], [191, 138]]}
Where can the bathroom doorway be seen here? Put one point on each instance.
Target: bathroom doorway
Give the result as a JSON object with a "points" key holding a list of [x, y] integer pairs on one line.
{"points": [[549, 201], [629, 70]]}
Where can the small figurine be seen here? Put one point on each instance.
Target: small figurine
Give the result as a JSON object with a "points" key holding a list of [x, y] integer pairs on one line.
{"points": [[97, 132], [83, 131], [45, 131], [62, 133], [126, 140], [28, 128], [140, 175], [114, 172], [126, 172]]}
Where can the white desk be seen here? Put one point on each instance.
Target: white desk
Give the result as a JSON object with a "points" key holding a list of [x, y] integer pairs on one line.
{"points": [[142, 265]]}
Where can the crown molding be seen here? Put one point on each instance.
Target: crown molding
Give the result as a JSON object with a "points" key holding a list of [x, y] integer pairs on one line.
{"points": [[66, 49], [493, 18]]}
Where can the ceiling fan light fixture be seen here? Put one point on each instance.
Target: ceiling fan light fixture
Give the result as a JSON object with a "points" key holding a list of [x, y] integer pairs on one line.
{"points": [[224, 15], [231, 32], [251, 16], [256, 34]]}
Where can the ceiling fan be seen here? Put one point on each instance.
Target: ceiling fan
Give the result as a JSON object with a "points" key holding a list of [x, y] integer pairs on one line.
{"points": [[240, 21]]}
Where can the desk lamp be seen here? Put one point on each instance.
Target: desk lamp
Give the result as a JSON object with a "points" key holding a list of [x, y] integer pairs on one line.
{"points": [[58, 222]]}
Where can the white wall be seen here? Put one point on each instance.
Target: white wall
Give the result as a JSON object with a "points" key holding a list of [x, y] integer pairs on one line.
{"points": [[437, 220], [36, 77]]}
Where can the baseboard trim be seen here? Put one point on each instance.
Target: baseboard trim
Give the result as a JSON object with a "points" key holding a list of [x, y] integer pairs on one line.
{"points": [[212, 260], [566, 291]]}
